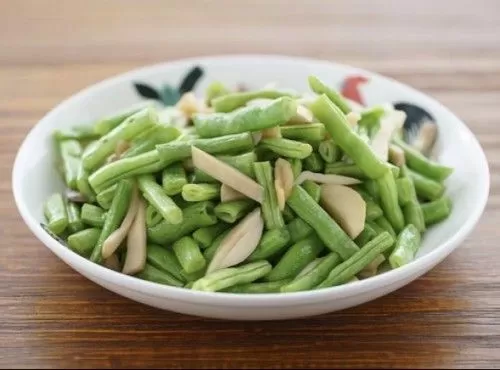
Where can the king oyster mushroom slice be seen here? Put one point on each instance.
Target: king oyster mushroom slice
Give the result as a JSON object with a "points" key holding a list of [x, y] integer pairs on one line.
{"points": [[283, 173], [420, 129], [228, 194], [227, 174], [114, 240], [346, 206], [303, 115], [239, 243], [136, 242], [326, 179], [391, 122]]}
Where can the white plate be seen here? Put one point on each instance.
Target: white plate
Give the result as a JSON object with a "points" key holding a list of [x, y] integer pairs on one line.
{"points": [[34, 178]]}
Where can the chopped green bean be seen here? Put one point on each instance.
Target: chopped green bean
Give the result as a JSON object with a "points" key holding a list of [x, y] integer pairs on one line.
{"points": [[271, 243], [304, 132], [75, 223], [56, 214], [335, 97], [234, 210], [206, 235], [389, 200], [231, 101], [155, 195], [189, 255], [425, 187], [436, 211], [313, 189], [299, 229], [151, 273], [328, 151], [200, 192], [83, 242], [173, 179], [259, 288], [287, 148], [70, 152], [92, 215], [270, 209], [314, 163], [406, 247]]}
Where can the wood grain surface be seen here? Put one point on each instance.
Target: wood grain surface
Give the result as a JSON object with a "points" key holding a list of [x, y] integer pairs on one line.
{"points": [[51, 317]]}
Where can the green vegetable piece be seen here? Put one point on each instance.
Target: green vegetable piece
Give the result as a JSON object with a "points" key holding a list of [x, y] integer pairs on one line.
{"points": [[230, 102], [108, 123], [70, 152], [235, 210], [327, 229], [389, 200], [214, 90], [287, 148], [151, 273], [210, 251], [373, 210], [259, 288], [200, 192], [271, 243], [366, 235], [328, 151], [165, 260], [314, 163], [270, 209], [386, 225], [105, 197], [56, 214], [206, 235], [155, 195], [406, 247], [358, 261], [83, 242], [313, 189], [189, 255], [92, 215], [338, 100], [425, 187], [304, 132], [254, 118], [296, 258], [225, 278], [299, 229], [75, 223]]}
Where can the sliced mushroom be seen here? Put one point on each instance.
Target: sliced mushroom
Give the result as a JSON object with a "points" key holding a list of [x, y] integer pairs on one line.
{"points": [[239, 243], [303, 115], [396, 155], [371, 269], [346, 206], [113, 241], [283, 173], [280, 194], [326, 179], [391, 122], [112, 262], [353, 118], [228, 194], [227, 174], [136, 242], [424, 142]]}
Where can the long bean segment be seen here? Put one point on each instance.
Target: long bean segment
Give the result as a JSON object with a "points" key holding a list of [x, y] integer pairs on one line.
{"points": [[270, 209], [352, 266], [327, 229], [188, 253], [56, 214], [425, 187], [335, 97], [337, 126], [436, 211], [200, 192], [271, 243], [254, 118], [304, 132], [287, 148], [173, 179], [70, 152], [206, 235], [232, 211], [389, 200], [154, 193], [329, 151], [406, 247], [230, 102]]}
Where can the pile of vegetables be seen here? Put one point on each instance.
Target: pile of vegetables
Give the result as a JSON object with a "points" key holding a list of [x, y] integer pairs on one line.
{"points": [[248, 192]]}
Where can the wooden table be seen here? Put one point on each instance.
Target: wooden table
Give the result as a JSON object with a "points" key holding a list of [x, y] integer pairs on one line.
{"points": [[52, 317]]}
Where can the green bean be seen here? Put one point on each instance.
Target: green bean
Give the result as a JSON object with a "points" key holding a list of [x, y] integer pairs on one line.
{"points": [[406, 247], [352, 266], [254, 118], [288, 214], [258, 288], [56, 214], [436, 211], [105, 197], [335, 97], [234, 210], [173, 179], [296, 164], [210, 251], [165, 260], [243, 163], [270, 209], [271, 243], [315, 276], [328, 151], [114, 217], [214, 90], [340, 131], [151, 273], [200, 192], [366, 235], [154, 136], [414, 215], [70, 152], [423, 165], [371, 187], [189, 255], [378, 230], [197, 215], [425, 187], [225, 278], [389, 200], [406, 191], [304, 132], [370, 118], [83, 242], [296, 258], [298, 229], [82, 183], [155, 195], [386, 225], [80, 133], [206, 235], [75, 223], [92, 215], [153, 217], [373, 211], [108, 123], [314, 163], [230, 102], [130, 127], [327, 229], [313, 189], [287, 148], [344, 169]]}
